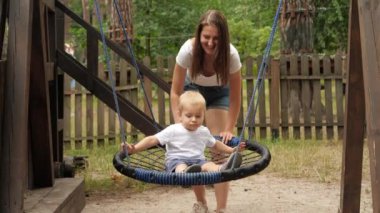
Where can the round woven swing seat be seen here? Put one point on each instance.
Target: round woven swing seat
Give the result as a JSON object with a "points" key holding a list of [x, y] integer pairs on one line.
{"points": [[149, 166]]}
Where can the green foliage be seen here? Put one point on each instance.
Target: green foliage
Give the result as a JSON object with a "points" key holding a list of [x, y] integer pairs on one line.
{"points": [[331, 25], [161, 27]]}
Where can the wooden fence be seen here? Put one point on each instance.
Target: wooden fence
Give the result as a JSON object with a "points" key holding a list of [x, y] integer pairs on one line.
{"points": [[303, 98]]}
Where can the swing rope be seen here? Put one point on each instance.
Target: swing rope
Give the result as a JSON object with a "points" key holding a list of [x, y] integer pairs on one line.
{"points": [[139, 75], [252, 164], [123, 135], [261, 76]]}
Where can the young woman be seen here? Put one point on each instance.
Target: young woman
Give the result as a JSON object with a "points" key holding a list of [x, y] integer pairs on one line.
{"points": [[210, 64]]}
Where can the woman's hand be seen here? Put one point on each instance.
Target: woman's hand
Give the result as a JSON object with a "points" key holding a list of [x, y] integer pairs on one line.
{"points": [[226, 136]]}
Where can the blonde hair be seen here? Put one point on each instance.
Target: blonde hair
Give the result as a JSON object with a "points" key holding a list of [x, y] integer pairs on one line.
{"points": [[191, 98]]}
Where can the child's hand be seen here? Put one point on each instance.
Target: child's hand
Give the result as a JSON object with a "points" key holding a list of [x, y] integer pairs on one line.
{"points": [[127, 148], [242, 145]]}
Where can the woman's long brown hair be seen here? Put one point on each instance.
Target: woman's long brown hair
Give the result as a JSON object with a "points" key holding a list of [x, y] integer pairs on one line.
{"points": [[222, 60]]}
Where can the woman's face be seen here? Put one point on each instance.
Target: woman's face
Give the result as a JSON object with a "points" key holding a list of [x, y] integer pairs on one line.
{"points": [[209, 39]]}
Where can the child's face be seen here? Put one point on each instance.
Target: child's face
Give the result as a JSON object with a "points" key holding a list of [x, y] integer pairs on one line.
{"points": [[192, 116]]}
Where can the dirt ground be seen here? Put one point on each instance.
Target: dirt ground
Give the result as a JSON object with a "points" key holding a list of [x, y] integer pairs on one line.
{"points": [[258, 193]]}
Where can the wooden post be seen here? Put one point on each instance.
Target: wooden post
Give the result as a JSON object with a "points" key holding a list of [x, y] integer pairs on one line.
{"points": [[306, 97], [317, 105], [329, 119], [39, 104], [3, 16], [92, 67], [284, 98], [161, 93], [354, 123], [274, 103], [3, 69], [261, 106], [14, 156], [294, 96], [339, 95], [250, 123], [171, 64], [369, 15]]}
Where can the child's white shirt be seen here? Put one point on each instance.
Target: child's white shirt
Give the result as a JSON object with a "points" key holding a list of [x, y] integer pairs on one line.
{"points": [[184, 144]]}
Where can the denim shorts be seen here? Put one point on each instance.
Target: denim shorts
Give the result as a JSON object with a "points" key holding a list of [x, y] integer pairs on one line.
{"points": [[217, 97], [170, 165]]}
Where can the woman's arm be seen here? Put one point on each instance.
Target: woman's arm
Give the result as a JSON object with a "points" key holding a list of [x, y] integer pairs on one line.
{"points": [[178, 82]]}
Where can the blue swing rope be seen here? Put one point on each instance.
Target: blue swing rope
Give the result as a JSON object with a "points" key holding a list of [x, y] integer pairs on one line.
{"points": [[261, 76], [121, 21], [123, 135], [152, 176]]}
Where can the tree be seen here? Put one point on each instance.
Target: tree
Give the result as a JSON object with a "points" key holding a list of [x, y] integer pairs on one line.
{"points": [[297, 26]]}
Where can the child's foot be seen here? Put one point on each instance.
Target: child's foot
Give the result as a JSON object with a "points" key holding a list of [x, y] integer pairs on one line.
{"points": [[200, 208], [193, 168], [234, 161]]}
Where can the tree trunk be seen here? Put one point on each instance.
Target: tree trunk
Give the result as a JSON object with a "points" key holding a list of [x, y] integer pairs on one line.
{"points": [[296, 26]]}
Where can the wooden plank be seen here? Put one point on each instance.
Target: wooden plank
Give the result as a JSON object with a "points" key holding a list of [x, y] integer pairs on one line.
{"points": [[329, 118], [3, 69], [339, 90], [275, 99], [284, 98], [49, 3], [89, 120], [3, 16], [78, 115], [261, 104], [92, 67], [100, 113], [14, 156], [124, 70], [42, 112], [127, 110], [302, 77], [317, 105], [43, 88], [306, 97], [67, 112], [67, 195], [295, 102], [59, 44], [55, 81], [250, 122], [352, 158], [112, 110], [171, 64], [148, 89], [133, 80], [160, 93], [369, 15]]}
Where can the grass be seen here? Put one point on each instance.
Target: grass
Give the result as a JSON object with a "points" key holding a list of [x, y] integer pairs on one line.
{"points": [[313, 160], [100, 175]]}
